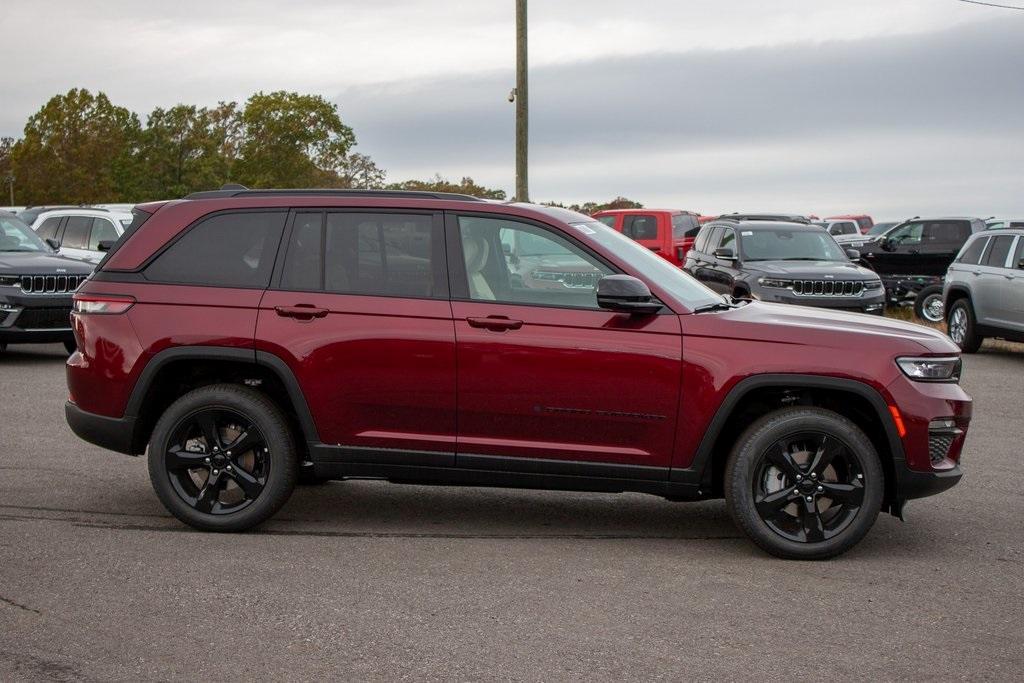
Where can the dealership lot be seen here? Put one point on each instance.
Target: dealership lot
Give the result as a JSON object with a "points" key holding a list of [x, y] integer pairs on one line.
{"points": [[370, 580]]}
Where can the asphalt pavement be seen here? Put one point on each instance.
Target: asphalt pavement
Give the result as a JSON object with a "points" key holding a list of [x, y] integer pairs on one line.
{"points": [[375, 581]]}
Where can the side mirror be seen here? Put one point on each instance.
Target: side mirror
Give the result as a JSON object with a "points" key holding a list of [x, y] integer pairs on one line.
{"points": [[105, 245], [54, 244], [626, 294], [852, 254], [887, 243], [725, 253]]}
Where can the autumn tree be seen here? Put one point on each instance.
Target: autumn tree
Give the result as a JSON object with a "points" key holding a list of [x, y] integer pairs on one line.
{"points": [[79, 148], [440, 184], [6, 168]]}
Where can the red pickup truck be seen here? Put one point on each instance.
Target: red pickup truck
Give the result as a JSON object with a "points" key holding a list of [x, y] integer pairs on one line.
{"points": [[667, 232]]}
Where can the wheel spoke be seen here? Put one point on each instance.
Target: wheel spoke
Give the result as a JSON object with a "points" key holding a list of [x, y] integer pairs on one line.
{"points": [[180, 459], [847, 494], [770, 505], [780, 457], [210, 431], [814, 531], [248, 483], [828, 449], [207, 498], [244, 443]]}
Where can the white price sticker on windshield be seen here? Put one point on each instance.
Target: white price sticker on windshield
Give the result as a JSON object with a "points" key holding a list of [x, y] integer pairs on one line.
{"points": [[585, 230], [747, 233]]}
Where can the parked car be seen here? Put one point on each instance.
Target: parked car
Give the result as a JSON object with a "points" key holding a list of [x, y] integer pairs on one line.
{"points": [[859, 240], [29, 214], [35, 288], [864, 222], [999, 223], [667, 232], [245, 335], [913, 257], [839, 228], [984, 290], [83, 234], [792, 263]]}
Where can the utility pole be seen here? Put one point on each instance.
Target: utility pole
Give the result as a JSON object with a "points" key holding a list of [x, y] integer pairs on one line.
{"points": [[522, 105]]}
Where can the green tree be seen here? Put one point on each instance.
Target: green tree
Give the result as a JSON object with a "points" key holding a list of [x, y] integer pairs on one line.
{"points": [[440, 184], [187, 148], [78, 148], [358, 171], [6, 169], [290, 140]]}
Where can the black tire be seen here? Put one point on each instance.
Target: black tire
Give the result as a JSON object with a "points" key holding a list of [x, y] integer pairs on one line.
{"points": [[843, 463], [70, 346], [962, 326], [190, 476], [928, 304]]}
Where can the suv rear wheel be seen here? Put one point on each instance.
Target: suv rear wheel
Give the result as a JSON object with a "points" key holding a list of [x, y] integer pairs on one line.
{"points": [[928, 304], [222, 458], [963, 327], [804, 483]]}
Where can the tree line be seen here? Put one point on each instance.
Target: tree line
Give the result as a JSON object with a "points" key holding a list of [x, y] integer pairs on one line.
{"points": [[81, 148]]}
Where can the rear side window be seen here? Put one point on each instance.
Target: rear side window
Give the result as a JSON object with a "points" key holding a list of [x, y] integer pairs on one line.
{"points": [[607, 220], [640, 227], [48, 230], [684, 225], [76, 232], [946, 232], [380, 254], [102, 231], [303, 262], [226, 250], [997, 253], [972, 254]]}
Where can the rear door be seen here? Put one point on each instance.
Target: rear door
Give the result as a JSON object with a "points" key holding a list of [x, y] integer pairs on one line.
{"points": [[1015, 289], [358, 309], [547, 380], [993, 284]]}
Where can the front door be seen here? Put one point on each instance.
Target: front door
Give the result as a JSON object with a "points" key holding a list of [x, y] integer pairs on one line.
{"points": [[359, 311], [543, 372]]}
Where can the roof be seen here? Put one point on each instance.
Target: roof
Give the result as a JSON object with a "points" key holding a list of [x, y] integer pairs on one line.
{"points": [[240, 191]]}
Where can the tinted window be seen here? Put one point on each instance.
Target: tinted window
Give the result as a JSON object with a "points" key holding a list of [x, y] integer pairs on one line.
{"points": [[380, 254], [906, 234], [684, 225], [303, 264], [76, 232], [518, 263], [972, 254], [998, 251], [607, 220], [640, 227], [227, 250], [1018, 258], [102, 231], [946, 232], [713, 238], [702, 239], [728, 240], [48, 230]]}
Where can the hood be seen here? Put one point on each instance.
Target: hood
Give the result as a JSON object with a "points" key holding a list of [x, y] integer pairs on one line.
{"points": [[39, 263], [811, 270], [822, 327]]}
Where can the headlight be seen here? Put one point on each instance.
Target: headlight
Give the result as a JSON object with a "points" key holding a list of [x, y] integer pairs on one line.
{"points": [[774, 283], [873, 284], [10, 280], [946, 369]]}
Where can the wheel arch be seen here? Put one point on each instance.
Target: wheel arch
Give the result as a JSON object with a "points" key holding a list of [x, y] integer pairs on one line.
{"points": [[955, 293], [757, 395]]}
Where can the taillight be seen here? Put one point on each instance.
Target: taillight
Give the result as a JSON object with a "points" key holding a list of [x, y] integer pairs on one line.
{"points": [[104, 304]]}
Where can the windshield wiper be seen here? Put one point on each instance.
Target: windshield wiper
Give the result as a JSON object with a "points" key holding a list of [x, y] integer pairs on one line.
{"points": [[716, 306]]}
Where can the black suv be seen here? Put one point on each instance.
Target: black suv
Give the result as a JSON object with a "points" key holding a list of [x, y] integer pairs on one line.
{"points": [[35, 287], [784, 262], [913, 257]]}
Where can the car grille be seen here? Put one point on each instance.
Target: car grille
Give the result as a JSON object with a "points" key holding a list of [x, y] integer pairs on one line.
{"points": [[51, 284], [58, 318], [828, 287]]}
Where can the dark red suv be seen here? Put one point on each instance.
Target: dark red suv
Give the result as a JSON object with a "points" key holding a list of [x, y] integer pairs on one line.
{"points": [[251, 339]]}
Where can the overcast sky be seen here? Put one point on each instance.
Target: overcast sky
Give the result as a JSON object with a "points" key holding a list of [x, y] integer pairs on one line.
{"points": [[893, 107]]}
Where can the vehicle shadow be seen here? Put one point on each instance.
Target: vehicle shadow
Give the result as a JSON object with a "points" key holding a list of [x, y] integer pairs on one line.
{"points": [[34, 354]]}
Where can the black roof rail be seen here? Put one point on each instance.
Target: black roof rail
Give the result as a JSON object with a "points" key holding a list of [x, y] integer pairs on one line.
{"points": [[781, 217], [242, 191]]}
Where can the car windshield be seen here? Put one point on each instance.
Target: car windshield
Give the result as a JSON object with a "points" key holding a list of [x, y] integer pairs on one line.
{"points": [[687, 290], [789, 245], [879, 228], [16, 236]]}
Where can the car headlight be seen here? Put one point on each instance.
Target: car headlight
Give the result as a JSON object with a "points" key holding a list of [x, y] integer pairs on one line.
{"points": [[873, 284], [774, 283], [943, 369], [10, 280]]}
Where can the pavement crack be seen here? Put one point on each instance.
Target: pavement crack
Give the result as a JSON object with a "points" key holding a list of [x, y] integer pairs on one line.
{"points": [[12, 603]]}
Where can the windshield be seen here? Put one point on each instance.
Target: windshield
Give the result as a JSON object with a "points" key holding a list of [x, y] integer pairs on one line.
{"points": [[688, 291], [789, 245], [879, 228], [16, 236]]}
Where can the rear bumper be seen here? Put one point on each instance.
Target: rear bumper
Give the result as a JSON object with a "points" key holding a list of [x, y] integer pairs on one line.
{"points": [[112, 433]]}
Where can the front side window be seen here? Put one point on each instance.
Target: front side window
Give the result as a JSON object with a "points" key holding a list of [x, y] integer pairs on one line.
{"points": [[728, 240], [224, 250], [48, 230], [514, 262], [76, 232], [907, 234], [972, 254], [702, 240], [640, 227], [713, 239], [1018, 258], [998, 251], [102, 231]]}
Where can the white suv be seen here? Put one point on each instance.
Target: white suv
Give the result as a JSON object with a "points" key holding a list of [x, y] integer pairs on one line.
{"points": [[82, 233]]}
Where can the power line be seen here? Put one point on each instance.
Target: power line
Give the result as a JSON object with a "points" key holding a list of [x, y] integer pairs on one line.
{"points": [[992, 4]]}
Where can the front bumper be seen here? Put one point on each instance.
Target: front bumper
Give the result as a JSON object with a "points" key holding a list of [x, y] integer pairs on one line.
{"points": [[35, 318], [112, 433]]}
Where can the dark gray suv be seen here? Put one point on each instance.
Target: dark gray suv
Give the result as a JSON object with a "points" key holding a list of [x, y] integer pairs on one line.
{"points": [[791, 263], [984, 289]]}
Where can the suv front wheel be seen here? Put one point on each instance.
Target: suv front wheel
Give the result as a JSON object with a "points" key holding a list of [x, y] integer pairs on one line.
{"points": [[804, 483], [962, 326], [222, 458]]}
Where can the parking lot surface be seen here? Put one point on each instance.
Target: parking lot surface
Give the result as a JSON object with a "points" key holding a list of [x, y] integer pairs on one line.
{"points": [[370, 580]]}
